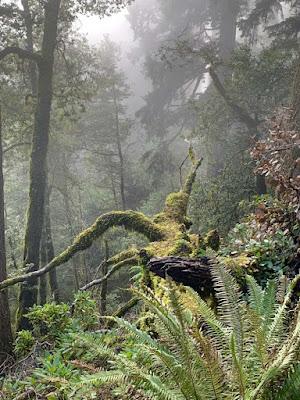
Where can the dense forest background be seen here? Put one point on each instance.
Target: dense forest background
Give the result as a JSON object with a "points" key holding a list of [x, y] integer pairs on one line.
{"points": [[197, 98]]}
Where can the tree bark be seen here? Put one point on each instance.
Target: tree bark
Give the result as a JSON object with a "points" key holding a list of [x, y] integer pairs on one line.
{"points": [[38, 170], [227, 40], [43, 278], [120, 152], [64, 193], [103, 287], [194, 273], [50, 248], [30, 47], [5, 325]]}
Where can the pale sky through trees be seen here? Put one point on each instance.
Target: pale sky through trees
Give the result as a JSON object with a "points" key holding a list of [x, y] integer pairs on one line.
{"points": [[118, 29]]}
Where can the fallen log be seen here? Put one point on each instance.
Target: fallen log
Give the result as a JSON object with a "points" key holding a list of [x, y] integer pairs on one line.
{"points": [[192, 272]]}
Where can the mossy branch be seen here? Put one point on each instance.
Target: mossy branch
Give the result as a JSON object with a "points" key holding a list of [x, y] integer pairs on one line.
{"points": [[188, 186], [130, 220]]}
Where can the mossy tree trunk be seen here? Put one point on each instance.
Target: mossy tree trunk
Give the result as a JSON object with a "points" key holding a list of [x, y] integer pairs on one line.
{"points": [[5, 326], [38, 170]]}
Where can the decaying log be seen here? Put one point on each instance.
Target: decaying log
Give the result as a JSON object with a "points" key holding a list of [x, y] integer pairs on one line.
{"points": [[195, 272]]}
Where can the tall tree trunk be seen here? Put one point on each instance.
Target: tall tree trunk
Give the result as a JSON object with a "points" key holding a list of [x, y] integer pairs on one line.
{"points": [[227, 40], [30, 46], [75, 266], [38, 170], [43, 279], [50, 248], [103, 287], [82, 258], [227, 11], [5, 326], [120, 152]]}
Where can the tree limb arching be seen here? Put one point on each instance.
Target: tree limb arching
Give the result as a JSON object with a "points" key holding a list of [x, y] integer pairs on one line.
{"points": [[131, 220], [22, 53]]}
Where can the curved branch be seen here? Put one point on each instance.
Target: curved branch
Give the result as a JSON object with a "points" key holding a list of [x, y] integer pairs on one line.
{"points": [[115, 268], [22, 53], [130, 220]]}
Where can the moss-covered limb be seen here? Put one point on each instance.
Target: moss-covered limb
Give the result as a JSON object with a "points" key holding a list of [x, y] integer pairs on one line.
{"points": [[123, 255], [176, 204], [131, 220], [188, 186], [115, 268]]}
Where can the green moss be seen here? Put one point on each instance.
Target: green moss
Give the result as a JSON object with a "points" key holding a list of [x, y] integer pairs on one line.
{"points": [[124, 255], [182, 248], [164, 232], [188, 186], [176, 206]]}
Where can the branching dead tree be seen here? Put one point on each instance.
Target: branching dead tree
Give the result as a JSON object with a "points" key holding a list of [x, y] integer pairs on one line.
{"points": [[167, 233]]}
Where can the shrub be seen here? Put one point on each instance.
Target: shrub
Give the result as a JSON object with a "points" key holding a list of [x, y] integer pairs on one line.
{"points": [[24, 343], [50, 320], [85, 311]]}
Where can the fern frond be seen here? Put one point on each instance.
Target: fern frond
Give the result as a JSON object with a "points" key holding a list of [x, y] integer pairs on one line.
{"points": [[230, 305], [256, 295], [277, 326], [291, 387]]}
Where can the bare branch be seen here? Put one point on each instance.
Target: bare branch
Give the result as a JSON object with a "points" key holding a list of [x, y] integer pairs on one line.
{"points": [[115, 268], [13, 146]]}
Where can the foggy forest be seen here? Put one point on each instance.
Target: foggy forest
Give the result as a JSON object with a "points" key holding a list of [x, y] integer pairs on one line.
{"points": [[150, 199]]}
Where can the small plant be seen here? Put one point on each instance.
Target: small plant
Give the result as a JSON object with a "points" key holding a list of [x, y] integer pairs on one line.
{"points": [[85, 311], [24, 343], [267, 237], [50, 320], [54, 378]]}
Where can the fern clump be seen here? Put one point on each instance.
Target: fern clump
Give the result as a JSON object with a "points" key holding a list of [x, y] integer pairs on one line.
{"points": [[242, 350]]}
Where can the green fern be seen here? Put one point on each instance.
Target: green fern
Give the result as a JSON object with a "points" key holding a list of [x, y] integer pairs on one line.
{"points": [[242, 351]]}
